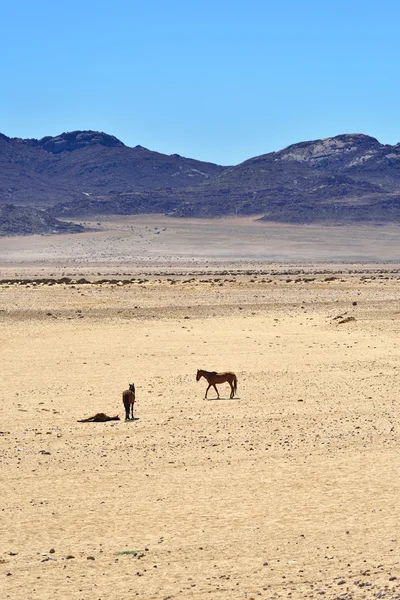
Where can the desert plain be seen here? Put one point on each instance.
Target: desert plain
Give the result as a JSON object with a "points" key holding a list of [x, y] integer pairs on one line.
{"points": [[288, 490]]}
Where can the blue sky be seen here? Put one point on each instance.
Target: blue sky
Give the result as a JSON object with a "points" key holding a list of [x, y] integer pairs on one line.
{"points": [[214, 80]]}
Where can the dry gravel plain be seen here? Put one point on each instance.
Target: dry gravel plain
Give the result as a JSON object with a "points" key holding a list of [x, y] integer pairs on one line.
{"points": [[290, 490]]}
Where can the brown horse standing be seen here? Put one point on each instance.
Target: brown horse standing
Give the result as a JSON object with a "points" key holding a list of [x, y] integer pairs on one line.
{"points": [[213, 377], [128, 398]]}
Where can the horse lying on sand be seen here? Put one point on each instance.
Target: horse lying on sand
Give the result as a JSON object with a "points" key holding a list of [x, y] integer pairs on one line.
{"points": [[99, 418], [213, 377], [128, 398]]}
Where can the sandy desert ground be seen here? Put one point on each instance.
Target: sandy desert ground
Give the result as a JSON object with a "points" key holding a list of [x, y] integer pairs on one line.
{"points": [[289, 490]]}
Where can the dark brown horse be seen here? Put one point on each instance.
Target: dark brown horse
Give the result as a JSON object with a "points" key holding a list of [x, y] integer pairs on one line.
{"points": [[213, 377], [99, 418], [128, 398]]}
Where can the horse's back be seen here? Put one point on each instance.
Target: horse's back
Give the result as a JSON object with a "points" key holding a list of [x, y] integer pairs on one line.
{"points": [[215, 377], [128, 396], [222, 374]]}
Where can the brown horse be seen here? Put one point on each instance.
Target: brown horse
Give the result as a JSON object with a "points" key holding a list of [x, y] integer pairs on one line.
{"points": [[128, 398], [99, 418], [213, 377]]}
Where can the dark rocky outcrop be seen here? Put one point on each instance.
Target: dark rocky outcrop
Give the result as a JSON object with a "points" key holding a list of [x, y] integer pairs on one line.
{"points": [[22, 220], [74, 140]]}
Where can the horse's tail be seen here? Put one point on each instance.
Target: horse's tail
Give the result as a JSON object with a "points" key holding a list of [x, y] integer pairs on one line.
{"points": [[234, 383]]}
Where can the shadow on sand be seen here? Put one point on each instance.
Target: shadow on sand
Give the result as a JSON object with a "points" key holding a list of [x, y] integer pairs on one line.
{"points": [[216, 399]]}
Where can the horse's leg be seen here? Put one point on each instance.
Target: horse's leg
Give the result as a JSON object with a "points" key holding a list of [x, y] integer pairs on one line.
{"points": [[232, 389], [215, 388], [126, 406], [209, 385], [132, 407]]}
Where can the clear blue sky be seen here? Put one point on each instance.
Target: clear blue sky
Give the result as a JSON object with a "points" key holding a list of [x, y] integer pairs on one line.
{"points": [[217, 80]]}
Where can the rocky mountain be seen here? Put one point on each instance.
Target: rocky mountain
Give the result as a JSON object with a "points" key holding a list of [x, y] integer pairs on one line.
{"points": [[74, 166], [347, 178], [21, 220]]}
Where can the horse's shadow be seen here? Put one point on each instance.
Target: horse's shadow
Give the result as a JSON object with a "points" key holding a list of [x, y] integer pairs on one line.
{"points": [[216, 399]]}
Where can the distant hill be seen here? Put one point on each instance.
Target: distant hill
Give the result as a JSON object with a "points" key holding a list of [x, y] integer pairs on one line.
{"points": [[347, 178], [74, 166], [20, 220]]}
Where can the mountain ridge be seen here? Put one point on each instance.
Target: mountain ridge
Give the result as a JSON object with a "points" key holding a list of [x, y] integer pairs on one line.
{"points": [[41, 173], [345, 178]]}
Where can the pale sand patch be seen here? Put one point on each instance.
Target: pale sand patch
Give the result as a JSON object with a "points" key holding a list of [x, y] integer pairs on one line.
{"points": [[290, 490]]}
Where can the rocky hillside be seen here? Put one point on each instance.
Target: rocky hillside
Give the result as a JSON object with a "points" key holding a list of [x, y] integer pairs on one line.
{"points": [[347, 178], [74, 166], [20, 220]]}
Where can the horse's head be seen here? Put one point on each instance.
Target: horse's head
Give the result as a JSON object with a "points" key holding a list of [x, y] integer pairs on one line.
{"points": [[132, 387], [198, 374]]}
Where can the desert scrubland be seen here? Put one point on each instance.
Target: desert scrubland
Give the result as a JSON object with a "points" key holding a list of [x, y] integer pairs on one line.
{"points": [[289, 490]]}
